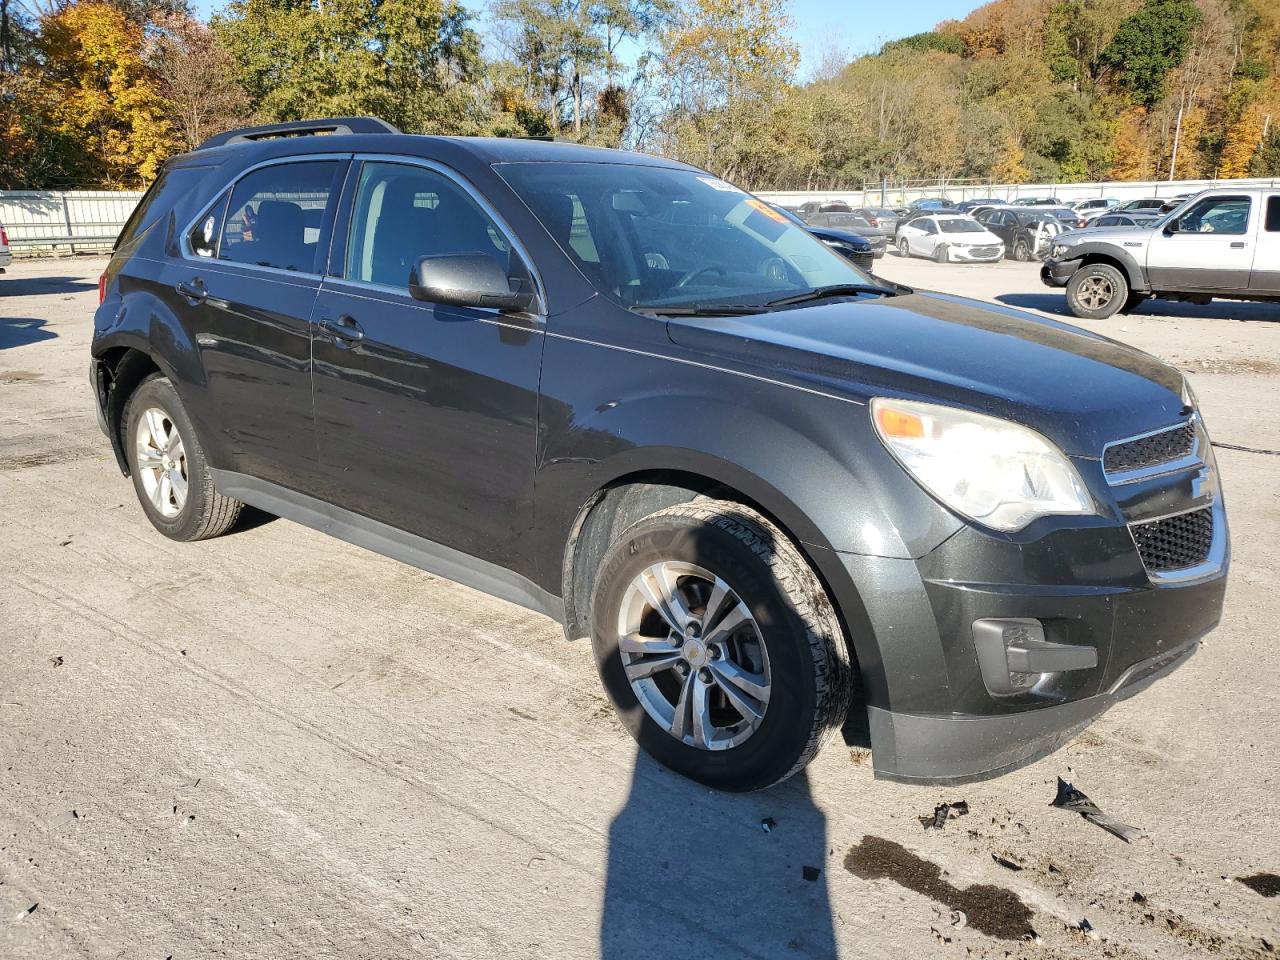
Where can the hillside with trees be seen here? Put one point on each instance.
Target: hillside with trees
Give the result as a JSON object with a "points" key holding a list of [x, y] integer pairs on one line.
{"points": [[97, 93]]}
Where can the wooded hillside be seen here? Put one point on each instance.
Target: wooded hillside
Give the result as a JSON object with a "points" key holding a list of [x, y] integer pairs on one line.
{"points": [[100, 92]]}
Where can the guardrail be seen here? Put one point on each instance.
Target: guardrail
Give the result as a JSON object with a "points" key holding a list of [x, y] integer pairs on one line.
{"points": [[50, 221]]}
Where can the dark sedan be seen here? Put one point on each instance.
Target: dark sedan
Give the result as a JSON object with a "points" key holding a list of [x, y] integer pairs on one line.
{"points": [[847, 223]]}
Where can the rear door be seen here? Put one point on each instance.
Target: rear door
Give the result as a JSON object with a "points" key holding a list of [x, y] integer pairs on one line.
{"points": [[1211, 249], [426, 413], [247, 279], [1265, 276]]}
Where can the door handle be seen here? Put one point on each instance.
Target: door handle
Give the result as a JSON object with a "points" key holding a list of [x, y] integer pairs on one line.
{"points": [[192, 291], [344, 331], [1238, 245]]}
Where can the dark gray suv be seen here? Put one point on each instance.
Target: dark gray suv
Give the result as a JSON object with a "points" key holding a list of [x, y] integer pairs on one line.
{"points": [[775, 492]]}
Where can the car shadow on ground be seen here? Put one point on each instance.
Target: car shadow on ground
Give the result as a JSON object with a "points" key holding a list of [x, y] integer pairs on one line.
{"points": [[696, 873], [36, 286], [19, 331], [1056, 303]]}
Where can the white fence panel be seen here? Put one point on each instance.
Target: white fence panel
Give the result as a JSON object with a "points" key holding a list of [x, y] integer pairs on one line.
{"points": [[45, 221]]}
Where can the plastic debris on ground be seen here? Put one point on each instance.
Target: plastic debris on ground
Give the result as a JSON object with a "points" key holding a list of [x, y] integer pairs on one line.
{"points": [[944, 812], [1069, 798]]}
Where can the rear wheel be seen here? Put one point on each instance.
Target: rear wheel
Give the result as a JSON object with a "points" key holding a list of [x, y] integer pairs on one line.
{"points": [[904, 248], [1021, 250], [718, 646], [169, 470], [1096, 291]]}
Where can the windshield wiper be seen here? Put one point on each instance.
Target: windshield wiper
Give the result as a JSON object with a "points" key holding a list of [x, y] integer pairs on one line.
{"points": [[833, 290], [700, 309]]}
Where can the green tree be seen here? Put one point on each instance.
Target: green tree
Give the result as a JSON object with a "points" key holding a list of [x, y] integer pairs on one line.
{"points": [[414, 63], [1148, 45]]}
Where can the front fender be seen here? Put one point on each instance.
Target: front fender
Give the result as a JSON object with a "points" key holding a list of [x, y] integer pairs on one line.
{"points": [[1132, 268]]}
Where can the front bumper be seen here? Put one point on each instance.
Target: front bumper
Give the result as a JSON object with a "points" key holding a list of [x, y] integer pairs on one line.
{"points": [[935, 712], [989, 254], [1056, 273]]}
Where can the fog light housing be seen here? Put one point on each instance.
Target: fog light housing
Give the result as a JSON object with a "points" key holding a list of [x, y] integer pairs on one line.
{"points": [[1014, 655]]}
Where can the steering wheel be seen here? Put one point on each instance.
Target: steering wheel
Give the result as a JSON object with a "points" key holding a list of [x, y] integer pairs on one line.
{"points": [[693, 274]]}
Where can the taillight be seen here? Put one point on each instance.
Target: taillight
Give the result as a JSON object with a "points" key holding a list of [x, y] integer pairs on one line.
{"points": [[102, 289], [4, 237]]}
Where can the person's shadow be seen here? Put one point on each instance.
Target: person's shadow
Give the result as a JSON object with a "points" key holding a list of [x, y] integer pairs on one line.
{"points": [[694, 873]]}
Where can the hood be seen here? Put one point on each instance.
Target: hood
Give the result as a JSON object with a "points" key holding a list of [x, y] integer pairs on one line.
{"points": [[855, 240], [1128, 237], [1079, 389]]}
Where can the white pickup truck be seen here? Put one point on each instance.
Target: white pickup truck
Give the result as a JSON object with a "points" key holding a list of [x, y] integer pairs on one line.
{"points": [[1219, 243]]}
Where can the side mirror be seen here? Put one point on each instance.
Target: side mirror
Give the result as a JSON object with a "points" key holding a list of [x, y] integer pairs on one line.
{"points": [[466, 280], [1172, 227]]}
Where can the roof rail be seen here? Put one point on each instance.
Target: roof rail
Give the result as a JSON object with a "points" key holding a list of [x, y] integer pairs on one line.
{"points": [[299, 128]]}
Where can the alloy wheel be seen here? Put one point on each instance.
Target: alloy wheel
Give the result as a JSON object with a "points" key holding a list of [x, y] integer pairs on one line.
{"points": [[1094, 293], [694, 655], [161, 462]]}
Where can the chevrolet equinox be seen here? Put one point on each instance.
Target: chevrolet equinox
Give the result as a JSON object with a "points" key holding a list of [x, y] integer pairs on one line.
{"points": [[772, 489]]}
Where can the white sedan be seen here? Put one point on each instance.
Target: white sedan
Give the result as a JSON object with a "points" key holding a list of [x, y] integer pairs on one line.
{"points": [[949, 238]]}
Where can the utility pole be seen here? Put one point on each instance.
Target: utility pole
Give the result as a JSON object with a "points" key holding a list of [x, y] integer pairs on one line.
{"points": [[1177, 135]]}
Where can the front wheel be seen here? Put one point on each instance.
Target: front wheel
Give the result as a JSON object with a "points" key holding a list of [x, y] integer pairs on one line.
{"points": [[1096, 291], [718, 646], [940, 253]]}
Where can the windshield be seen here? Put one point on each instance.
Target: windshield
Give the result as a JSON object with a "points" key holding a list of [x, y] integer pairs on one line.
{"points": [[663, 237], [961, 226]]}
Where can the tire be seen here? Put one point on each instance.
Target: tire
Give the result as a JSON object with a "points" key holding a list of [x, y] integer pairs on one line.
{"points": [[904, 248], [1021, 251], [155, 422], [1096, 291], [940, 253], [790, 641]]}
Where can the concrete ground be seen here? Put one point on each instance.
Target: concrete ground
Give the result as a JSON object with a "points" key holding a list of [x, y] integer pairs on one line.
{"points": [[277, 745]]}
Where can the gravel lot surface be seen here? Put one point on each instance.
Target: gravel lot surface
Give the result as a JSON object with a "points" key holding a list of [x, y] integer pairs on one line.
{"points": [[277, 745]]}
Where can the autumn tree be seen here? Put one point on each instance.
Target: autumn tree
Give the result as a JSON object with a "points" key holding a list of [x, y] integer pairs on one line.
{"points": [[196, 77], [102, 93], [1148, 45]]}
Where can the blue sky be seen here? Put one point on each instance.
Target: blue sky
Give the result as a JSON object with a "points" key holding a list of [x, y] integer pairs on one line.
{"points": [[850, 27]]}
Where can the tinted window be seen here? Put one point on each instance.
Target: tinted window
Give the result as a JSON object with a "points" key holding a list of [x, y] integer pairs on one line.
{"points": [[1273, 214], [276, 213], [405, 212], [1229, 215], [142, 213], [960, 226]]}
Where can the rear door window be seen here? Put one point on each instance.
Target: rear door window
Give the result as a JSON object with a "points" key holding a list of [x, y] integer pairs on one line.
{"points": [[276, 214]]}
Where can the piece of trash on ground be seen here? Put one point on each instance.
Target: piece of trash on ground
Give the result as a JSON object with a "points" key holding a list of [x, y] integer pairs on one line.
{"points": [[959, 918], [1069, 798], [56, 661], [944, 812], [767, 824], [1006, 862]]}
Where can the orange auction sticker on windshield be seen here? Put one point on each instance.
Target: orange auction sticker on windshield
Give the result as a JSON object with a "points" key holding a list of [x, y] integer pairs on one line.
{"points": [[761, 207]]}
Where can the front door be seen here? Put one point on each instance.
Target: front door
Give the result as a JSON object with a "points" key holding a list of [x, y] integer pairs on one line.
{"points": [[427, 413], [1210, 249], [246, 284]]}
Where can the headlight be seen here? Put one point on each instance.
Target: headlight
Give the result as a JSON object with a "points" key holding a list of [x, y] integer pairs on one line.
{"points": [[1060, 249], [994, 472]]}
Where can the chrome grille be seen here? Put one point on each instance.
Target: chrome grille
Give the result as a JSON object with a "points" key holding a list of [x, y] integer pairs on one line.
{"points": [[1152, 450], [1174, 543]]}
